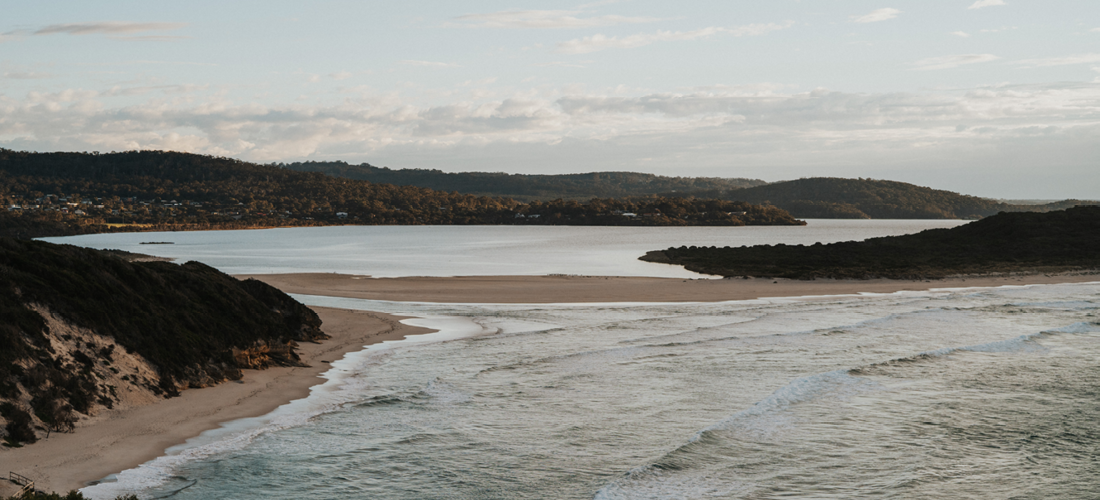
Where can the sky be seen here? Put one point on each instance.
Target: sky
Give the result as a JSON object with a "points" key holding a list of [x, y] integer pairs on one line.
{"points": [[996, 98]]}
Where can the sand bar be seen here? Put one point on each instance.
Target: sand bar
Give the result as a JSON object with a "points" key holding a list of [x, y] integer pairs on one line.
{"points": [[120, 439], [575, 289]]}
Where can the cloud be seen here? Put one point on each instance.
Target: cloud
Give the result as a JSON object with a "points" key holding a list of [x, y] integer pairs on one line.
{"points": [[962, 34], [545, 19], [600, 42], [876, 16], [340, 75], [1060, 61], [428, 64], [106, 27], [560, 64], [760, 127], [26, 75], [986, 3], [954, 61]]}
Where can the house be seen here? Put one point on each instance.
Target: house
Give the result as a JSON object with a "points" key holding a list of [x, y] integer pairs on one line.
{"points": [[341, 215]]}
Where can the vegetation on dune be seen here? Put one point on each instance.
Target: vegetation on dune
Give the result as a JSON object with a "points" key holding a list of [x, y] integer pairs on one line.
{"points": [[1007, 242], [195, 325], [528, 187]]}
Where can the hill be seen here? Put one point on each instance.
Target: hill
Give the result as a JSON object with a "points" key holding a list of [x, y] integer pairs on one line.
{"points": [[1004, 243], [49, 193], [528, 187], [837, 198], [82, 328], [818, 197]]}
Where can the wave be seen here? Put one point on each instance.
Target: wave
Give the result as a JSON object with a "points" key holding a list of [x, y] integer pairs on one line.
{"points": [[682, 473]]}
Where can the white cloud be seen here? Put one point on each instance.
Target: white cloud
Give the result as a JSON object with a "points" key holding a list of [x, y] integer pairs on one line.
{"points": [[340, 75], [1060, 61], [545, 19], [877, 15], [953, 61], [431, 64], [106, 27], [962, 34], [26, 75], [986, 3], [600, 42]]}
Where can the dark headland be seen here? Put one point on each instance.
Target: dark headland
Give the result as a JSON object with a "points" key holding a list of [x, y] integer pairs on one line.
{"points": [[1024, 242]]}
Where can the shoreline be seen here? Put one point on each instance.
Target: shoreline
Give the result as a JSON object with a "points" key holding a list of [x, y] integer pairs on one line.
{"points": [[557, 289], [124, 438]]}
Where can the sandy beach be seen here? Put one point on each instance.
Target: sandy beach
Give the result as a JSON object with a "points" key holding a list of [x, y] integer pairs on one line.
{"points": [[574, 289], [115, 440]]}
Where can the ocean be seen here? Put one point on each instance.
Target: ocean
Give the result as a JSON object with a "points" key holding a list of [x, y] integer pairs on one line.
{"points": [[964, 393]]}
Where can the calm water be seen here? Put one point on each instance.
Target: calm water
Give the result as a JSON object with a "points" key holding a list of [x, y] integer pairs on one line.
{"points": [[981, 393], [388, 251]]}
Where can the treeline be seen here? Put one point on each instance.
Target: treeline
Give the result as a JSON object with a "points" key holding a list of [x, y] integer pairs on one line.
{"points": [[817, 198], [527, 187], [144, 190], [837, 198], [193, 324], [1004, 243]]}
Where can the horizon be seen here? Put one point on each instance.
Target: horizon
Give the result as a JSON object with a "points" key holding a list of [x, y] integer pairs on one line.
{"points": [[991, 98]]}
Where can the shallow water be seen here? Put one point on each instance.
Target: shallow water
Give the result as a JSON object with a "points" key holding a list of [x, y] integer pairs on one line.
{"points": [[389, 251], [987, 393]]}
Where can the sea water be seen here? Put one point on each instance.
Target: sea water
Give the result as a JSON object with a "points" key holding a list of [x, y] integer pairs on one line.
{"points": [[977, 393], [982, 393]]}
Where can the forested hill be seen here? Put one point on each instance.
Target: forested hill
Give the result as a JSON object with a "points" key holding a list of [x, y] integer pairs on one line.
{"points": [[529, 187], [830, 197], [818, 197], [68, 193], [84, 330], [1064, 240]]}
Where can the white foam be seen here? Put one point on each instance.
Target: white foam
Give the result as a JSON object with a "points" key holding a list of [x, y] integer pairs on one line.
{"points": [[340, 387]]}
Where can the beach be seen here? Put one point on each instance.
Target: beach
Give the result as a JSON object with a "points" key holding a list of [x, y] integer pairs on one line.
{"points": [[123, 438], [597, 289]]}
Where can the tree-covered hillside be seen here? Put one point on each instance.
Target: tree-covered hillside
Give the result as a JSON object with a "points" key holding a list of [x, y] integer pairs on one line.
{"points": [[528, 187], [818, 197], [155, 190], [1007, 242], [830, 197]]}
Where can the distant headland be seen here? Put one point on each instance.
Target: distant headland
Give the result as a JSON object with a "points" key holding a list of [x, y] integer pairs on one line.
{"points": [[1064, 240]]}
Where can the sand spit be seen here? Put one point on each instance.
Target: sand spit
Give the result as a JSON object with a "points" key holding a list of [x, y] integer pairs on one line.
{"points": [[577, 289]]}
